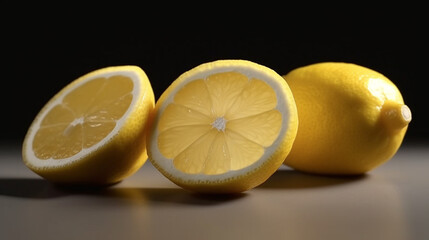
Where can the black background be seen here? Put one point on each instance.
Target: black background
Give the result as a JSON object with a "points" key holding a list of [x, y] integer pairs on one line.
{"points": [[44, 52]]}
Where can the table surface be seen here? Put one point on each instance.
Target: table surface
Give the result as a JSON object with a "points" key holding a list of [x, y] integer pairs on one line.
{"points": [[390, 202]]}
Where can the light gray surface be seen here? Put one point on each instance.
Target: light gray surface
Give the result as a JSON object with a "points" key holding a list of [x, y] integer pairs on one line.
{"points": [[391, 202]]}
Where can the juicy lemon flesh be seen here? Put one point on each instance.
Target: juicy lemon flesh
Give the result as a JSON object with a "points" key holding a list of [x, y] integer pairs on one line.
{"points": [[84, 117], [218, 124]]}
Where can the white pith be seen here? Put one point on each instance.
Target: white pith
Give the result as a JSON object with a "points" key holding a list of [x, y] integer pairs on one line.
{"points": [[45, 163], [167, 164], [219, 123]]}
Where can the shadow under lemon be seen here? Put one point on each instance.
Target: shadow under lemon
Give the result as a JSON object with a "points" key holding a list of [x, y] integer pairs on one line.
{"points": [[35, 188]]}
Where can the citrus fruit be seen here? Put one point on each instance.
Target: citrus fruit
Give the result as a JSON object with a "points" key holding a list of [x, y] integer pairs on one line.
{"points": [[223, 127], [352, 118], [93, 130]]}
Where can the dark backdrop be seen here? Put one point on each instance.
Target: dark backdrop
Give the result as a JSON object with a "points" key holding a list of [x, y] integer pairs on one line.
{"points": [[43, 54]]}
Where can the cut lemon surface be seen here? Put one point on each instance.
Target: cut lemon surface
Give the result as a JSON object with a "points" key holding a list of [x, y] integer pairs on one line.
{"points": [[93, 130], [223, 127]]}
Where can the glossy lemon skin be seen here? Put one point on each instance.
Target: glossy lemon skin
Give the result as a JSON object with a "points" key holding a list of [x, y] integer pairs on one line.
{"points": [[352, 118]]}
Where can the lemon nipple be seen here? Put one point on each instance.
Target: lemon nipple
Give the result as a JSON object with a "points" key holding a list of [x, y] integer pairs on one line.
{"points": [[396, 116], [406, 113]]}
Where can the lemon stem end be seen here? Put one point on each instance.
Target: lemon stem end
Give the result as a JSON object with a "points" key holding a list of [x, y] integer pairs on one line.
{"points": [[396, 116]]}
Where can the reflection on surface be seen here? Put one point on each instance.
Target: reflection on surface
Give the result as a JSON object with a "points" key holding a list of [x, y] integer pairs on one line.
{"points": [[289, 205], [290, 179], [325, 207], [388, 203]]}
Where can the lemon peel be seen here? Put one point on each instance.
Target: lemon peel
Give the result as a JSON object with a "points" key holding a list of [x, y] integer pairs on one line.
{"points": [[352, 118]]}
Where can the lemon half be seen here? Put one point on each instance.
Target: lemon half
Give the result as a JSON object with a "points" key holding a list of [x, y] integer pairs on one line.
{"points": [[93, 130], [223, 127]]}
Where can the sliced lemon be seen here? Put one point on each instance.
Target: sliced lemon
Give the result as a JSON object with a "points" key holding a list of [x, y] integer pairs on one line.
{"points": [[222, 127], [93, 130]]}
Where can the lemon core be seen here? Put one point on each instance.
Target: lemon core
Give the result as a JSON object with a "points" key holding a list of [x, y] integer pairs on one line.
{"points": [[219, 123]]}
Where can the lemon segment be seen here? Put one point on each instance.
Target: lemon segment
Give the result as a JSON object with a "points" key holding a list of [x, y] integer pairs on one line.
{"points": [[223, 89], [261, 128], [95, 121], [220, 122]]}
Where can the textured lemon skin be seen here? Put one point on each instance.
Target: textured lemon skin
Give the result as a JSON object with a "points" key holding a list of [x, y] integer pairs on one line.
{"points": [[345, 118], [252, 178], [118, 158]]}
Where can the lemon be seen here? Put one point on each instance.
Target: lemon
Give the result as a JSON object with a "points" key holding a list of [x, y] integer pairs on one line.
{"points": [[352, 118], [223, 127], [93, 130]]}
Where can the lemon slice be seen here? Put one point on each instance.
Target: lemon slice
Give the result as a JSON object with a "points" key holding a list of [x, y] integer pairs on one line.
{"points": [[223, 127], [93, 130]]}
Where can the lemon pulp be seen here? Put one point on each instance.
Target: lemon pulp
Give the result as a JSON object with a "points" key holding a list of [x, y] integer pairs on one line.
{"points": [[83, 117], [221, 123]]}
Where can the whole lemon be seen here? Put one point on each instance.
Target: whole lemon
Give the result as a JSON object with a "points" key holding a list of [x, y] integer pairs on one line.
{"points": [[352, 118]]}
